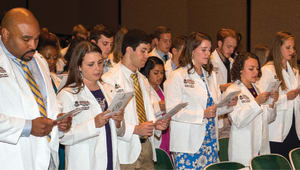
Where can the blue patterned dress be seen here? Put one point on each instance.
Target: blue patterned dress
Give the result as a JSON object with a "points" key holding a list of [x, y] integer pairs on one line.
{"points": [[208, 153]]}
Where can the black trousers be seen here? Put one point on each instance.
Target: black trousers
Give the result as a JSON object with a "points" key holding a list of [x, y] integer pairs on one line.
{"points": [[290, 142]]}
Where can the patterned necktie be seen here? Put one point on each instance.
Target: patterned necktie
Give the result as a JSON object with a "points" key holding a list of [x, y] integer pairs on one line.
{"points": [[35, 90], [139, 99]]}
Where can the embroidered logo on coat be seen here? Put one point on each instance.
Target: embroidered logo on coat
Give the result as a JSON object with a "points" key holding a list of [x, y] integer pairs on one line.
{"points": [[244, 98], [189, 83], [81, 103], [3, 72]]}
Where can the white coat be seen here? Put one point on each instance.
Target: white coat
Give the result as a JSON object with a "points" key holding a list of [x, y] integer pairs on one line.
{"points": [[129, 146], [249, 130], [187, 127], [221, 73], [219, 67], [17, 105], [154, 53], [280, 128], [86, 144]]}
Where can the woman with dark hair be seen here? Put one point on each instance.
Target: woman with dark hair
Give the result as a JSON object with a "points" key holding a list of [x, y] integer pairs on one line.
{"points": [[92, 141], [193, 135], [49, 48], [251, 116], [155, 73], [284, 131]]}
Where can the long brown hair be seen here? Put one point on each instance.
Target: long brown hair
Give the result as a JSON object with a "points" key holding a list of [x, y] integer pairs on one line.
{"points": [[276, 56], [117, 51], [74, 77], [192, 42]]}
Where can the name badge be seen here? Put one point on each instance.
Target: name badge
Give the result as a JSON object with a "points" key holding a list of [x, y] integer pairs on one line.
{"points": [[189, 83], [3, 73]]}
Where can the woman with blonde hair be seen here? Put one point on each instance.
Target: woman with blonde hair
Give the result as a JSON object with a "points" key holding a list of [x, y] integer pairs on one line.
{"points": [[284, 130]]}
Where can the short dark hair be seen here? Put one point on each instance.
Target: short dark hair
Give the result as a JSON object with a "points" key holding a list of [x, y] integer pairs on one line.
{"points": [[48, 39], [98, 30], [239, 64], [80, 50], [134, 38], [160, 30]]}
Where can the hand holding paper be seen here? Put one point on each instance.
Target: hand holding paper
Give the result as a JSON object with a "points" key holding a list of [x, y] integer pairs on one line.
{"points": [[273, 86], [227, 97], [101, 119], [65, 124]]}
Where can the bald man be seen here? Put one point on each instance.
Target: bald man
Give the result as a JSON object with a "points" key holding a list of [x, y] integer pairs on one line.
{"points": [[28, 134]]}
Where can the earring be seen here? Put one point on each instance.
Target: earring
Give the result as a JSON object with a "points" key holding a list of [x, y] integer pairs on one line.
{"points": [[80, 75], [193, 60]]}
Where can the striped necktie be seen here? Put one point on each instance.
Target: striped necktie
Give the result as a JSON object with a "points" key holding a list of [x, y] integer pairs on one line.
{"points": [[140, 108], [35, 90]]}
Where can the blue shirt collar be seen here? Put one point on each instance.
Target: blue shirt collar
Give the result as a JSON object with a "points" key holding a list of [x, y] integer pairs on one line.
{"points": [[160, 53], [6, 51]]}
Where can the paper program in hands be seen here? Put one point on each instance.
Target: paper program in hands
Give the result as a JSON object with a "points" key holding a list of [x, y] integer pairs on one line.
{"points": [[119, 102], [227, 98], [72, 112], [272, 86], [173, 111]]}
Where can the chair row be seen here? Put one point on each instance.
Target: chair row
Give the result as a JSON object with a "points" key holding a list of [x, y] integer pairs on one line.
{"points": [[261, 162], [270, 161]]}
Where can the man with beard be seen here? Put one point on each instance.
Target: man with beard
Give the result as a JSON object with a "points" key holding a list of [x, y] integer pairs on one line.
{"points": [[28, 133], [222, 62], [136, 148]]}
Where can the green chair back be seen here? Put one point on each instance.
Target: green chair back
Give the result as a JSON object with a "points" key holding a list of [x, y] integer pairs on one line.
{"points": [[270, 161], [295, 158], [225, 165], [223, 149], [163, 160]]}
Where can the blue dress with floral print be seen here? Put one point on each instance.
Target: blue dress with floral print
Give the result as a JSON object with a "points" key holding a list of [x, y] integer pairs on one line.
{"points": [[208, 153]]}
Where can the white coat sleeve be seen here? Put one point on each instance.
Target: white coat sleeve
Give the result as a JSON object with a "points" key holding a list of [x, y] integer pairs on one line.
{"points": [[271, 113], [10, 129], [244, 113], [266, 78], [78, 132]]}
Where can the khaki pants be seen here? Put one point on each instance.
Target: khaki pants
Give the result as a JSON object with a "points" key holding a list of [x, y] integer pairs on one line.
{"points": [[144, 161]]}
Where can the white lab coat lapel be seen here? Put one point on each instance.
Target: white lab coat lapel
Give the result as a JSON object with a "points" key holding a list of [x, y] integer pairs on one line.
{"points": [[199, 86], [289, 77], [219, 68]]}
